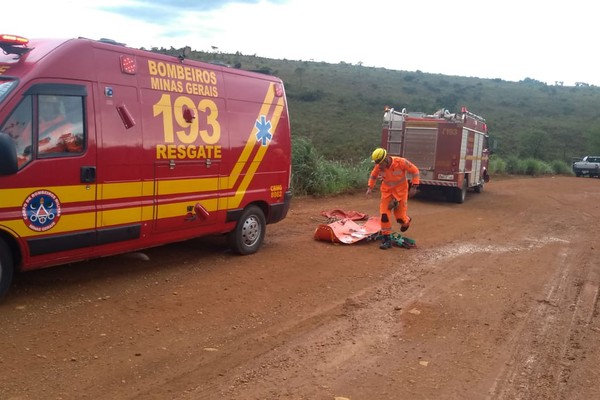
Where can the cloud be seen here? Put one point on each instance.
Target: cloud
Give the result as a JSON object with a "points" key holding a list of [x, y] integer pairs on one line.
{"points": [[178, 23], [508, 39], [171, 11]]}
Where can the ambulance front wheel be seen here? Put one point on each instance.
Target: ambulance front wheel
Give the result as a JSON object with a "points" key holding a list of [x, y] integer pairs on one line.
{"points": [[249, 232], [6, 269]]}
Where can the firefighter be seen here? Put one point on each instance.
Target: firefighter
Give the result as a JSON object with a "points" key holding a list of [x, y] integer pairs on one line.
{"points": [[394, 191]]}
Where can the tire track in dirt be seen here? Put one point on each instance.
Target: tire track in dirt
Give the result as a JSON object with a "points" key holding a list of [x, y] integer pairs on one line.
{"points": [[352, 337], [581, 329], [531, 341], [539, 367]]}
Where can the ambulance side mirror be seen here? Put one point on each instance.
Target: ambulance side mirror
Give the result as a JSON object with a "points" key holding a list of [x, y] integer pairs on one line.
{"points": [[8, 155]]}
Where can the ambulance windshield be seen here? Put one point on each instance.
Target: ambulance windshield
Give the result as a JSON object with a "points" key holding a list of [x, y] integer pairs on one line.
{"points": [[5, 87]]}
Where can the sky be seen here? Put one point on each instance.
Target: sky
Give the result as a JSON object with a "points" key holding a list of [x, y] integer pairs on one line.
{"points": [[550, 41]]}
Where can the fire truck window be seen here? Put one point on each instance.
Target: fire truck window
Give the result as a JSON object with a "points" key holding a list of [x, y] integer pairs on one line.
{"points": [[19, 127], [60, 125]]}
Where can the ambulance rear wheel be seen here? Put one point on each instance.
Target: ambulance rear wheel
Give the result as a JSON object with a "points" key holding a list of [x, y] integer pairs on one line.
{"points": [[249, 232], [6, 269]]}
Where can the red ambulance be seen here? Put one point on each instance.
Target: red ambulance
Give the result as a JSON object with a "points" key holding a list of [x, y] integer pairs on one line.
{"points": [[107, 149]]}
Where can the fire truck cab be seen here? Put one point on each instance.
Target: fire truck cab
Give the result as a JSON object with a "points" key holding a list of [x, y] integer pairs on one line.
{"points": [[450, 149], [107, 149]]}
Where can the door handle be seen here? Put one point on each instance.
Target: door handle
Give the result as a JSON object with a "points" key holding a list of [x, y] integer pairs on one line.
{"points": [[88, 174]]}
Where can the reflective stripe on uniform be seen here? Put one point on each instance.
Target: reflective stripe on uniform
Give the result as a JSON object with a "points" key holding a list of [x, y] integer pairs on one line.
{"points": [[395, 183]]}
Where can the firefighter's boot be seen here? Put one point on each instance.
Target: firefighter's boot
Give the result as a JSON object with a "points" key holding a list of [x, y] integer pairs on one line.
{"points": [[404, 227], [386, 242]]}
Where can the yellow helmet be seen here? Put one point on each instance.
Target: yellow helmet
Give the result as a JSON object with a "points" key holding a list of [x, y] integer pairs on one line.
{"points": [[378, 155]]}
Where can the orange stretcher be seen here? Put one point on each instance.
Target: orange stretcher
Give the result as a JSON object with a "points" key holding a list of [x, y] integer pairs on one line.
{"points": [[347, 231]]}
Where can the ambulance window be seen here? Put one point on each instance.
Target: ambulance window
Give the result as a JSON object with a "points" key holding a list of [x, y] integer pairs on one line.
{"points": [[60, 126], [5, 87], [19, 127]]}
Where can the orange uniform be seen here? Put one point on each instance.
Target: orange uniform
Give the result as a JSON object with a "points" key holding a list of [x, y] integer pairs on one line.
{"points": [[394, 185]]}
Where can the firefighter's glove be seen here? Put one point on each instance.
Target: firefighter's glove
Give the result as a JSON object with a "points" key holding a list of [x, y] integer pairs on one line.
{"points": [[392, 204], [412, 191]]}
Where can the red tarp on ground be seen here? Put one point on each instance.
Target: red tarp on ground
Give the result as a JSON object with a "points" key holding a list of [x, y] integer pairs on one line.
{"points": [[341, 214], [347, 231]]}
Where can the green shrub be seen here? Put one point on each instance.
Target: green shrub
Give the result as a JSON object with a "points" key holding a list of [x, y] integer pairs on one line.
{"points": [[561, 168], [514, 165], [496, 165], [530, 166], [312, 174]]}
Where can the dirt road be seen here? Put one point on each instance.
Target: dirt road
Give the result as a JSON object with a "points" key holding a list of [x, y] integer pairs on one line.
{"points": [[498, 301]]}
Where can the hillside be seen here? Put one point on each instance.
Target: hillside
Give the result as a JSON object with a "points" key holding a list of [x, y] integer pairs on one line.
{"points": [[339, 106]]}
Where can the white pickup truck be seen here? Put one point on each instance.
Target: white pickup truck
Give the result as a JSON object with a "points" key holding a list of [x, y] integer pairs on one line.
{"points": [[589, 165]]}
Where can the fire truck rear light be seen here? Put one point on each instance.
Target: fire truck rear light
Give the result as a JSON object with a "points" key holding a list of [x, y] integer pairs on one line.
{"points": [[13, 39], [128, 65]]}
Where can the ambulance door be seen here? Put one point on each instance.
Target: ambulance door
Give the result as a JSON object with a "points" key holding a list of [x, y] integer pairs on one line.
{"points": [[186, 194], [53, 127], [188, 151], [124, 178]]}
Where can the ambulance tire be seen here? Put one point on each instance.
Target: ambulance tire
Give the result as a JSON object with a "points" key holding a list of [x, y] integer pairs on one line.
{"points": [[6, 269], [249, 232]]}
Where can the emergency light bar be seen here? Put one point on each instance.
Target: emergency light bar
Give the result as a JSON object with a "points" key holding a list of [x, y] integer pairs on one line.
{"points": [[14, 40], [13, 44]]}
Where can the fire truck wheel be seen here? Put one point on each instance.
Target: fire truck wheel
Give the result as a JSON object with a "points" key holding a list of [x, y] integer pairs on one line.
{"points": [[460, 194], [249, 232], [6, 269], [479, 188]]}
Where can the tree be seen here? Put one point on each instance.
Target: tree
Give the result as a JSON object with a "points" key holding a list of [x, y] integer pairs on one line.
{"points": [[593, 141], [533, 144], [299, 72]]}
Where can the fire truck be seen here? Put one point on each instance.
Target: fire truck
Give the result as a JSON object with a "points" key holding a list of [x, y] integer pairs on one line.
{"points": [[107, 149], [450, 149]]}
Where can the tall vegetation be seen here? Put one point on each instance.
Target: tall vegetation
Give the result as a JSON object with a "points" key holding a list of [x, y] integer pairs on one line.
{"points": [[528, 166], [312, 174]]}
